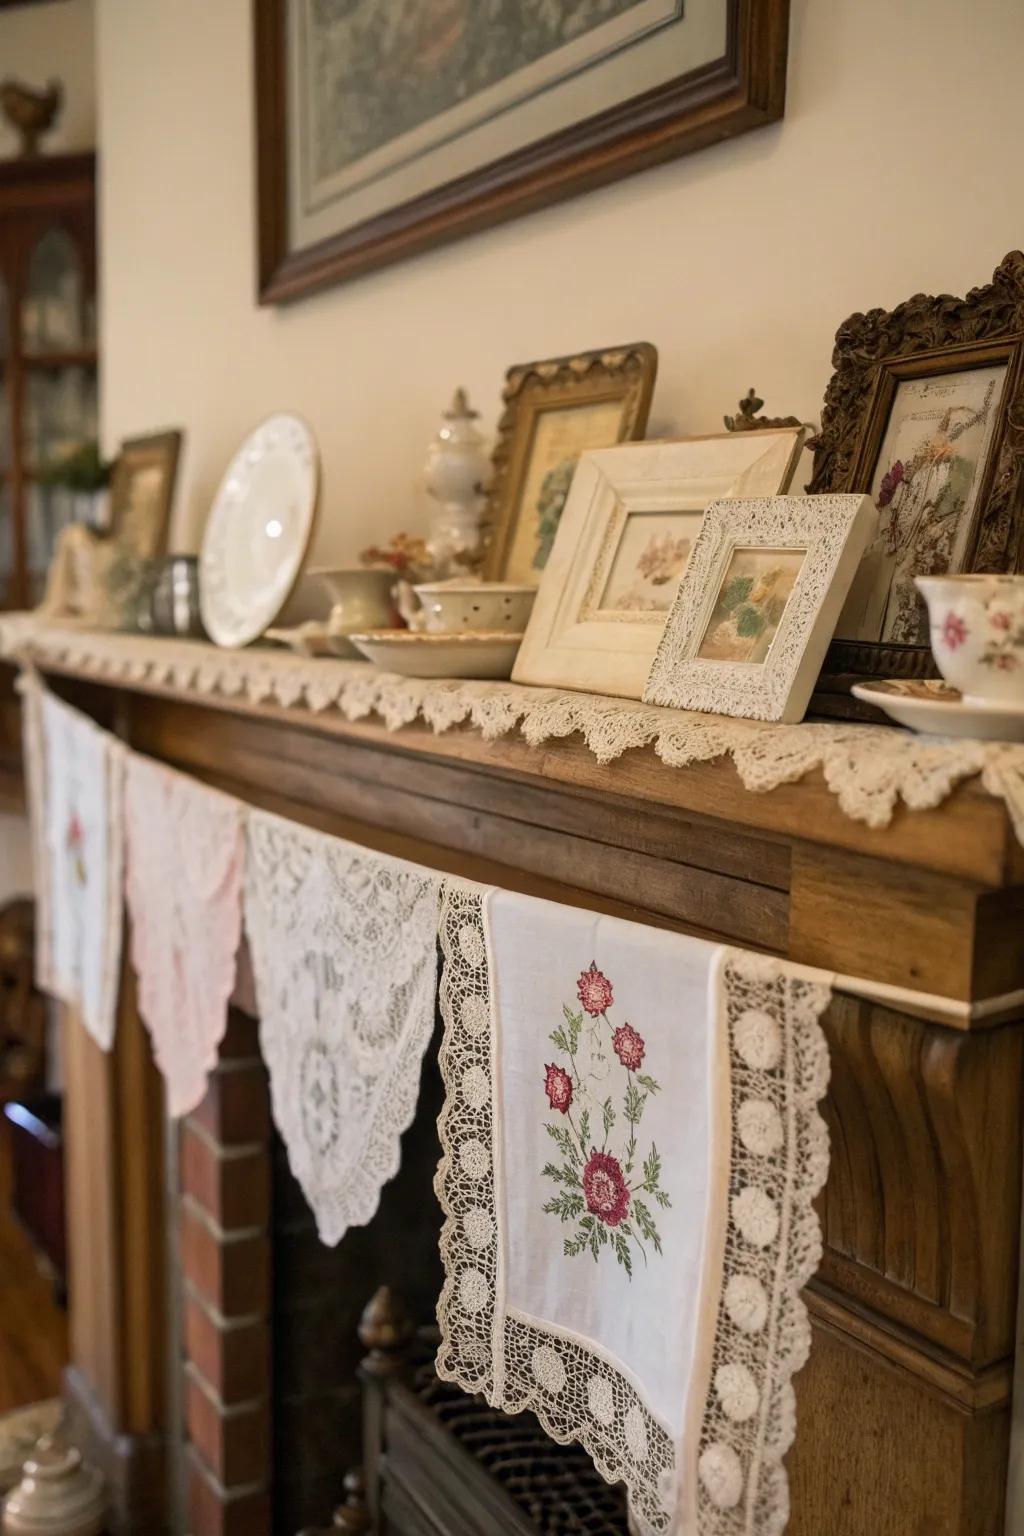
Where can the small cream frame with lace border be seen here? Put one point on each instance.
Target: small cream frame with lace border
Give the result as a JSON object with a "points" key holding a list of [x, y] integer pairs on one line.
{"points": [[758, 604]]}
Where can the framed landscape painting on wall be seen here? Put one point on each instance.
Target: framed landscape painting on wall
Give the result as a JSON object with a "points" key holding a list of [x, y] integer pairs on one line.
{"points": [[387, 126]]}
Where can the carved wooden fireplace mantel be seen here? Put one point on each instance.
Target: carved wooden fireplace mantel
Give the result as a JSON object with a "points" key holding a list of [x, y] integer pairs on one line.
{"points": [[905, 1404]]}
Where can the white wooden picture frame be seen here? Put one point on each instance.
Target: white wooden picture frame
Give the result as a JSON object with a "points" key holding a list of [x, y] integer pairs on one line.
{"points": [[758, 604], [632, 515]]}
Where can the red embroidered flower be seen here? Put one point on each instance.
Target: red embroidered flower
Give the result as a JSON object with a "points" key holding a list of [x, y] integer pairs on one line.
{"points": [[605, 1189], [1000, 620], [594, 990], [558, 1087], [76, 833], [890, 484], [629, 1047], [1005, 661], [954, 630]]}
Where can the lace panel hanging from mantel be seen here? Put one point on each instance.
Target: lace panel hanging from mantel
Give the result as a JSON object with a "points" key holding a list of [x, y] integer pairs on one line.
{"points": [[185, 860], [631, 1145], [344, 944], [75, 774]]}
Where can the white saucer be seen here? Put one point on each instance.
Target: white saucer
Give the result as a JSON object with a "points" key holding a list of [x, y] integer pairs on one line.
{"points": [[472, 654], [313, 639], [932, 706]]}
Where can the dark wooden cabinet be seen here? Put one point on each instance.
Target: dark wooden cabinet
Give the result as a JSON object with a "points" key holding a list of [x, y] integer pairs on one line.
{"points": [[48, 355]]}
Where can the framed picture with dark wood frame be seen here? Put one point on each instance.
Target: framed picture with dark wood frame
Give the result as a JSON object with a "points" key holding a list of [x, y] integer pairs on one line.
{"points": [[142, 492], [925, 412], [553, 412], [384, 128]]}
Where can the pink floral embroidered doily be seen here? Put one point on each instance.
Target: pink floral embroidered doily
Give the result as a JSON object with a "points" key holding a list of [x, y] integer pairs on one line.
{"points": [[185, 871]]}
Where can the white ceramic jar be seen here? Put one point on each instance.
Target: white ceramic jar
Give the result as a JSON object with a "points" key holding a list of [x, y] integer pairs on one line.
{"points": [[977, 634]]}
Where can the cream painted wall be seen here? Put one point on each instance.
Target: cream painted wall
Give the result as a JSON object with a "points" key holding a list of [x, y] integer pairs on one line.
{"points": [[896, 169], [38, 42]]}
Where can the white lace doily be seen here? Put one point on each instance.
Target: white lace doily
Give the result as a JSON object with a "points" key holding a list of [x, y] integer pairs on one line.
{"points": [[343, 943], [726, 1472], [184, 863], [869, 768], [75, 777]]}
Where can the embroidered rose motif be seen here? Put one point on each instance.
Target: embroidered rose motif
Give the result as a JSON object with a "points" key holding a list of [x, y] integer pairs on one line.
{"points": [[594, 990], [628, 1047], [606, 1189], [558, 1087], [1000, 619], [1005, 662], [954, 630], [75, 844]]}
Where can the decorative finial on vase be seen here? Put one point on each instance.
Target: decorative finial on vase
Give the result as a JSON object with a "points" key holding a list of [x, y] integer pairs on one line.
{"points": [[455, 472]]}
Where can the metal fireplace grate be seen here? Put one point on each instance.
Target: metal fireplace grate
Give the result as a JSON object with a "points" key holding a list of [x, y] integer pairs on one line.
{"points": [[556, 1486]]}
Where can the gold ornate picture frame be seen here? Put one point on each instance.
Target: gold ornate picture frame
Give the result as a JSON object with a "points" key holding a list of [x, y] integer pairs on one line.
{"points": [[554, 411], [142, 492]]}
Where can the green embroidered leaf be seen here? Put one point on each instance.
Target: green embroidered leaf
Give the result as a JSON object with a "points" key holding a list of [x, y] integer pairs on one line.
{"points": [[585, 1127], [622, 1253], [609, 1115], [564, 1138], [562, 1175], [645, 1222], [652, 1169], [634, 1103], [575, 1023], [573, 1246], [661, 1197], [565, 1206], [559, 1041], [648, 1083]]}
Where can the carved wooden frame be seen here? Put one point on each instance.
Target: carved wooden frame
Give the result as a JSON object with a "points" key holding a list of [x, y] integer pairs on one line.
{"points": [[743, 89], [927, 336], [532, 389]]}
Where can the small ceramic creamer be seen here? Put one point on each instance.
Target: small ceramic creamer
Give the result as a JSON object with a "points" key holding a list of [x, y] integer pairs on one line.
{"points": [[455, 607], [977, 634]]}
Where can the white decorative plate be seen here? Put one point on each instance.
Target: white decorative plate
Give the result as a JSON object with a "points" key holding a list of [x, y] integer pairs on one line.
{"points": [[474, 653], [935, 708], [258, 530]]}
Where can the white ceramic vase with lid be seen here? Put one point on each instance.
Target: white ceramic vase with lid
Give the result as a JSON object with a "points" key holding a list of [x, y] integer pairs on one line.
{"points": [[455, 474]]}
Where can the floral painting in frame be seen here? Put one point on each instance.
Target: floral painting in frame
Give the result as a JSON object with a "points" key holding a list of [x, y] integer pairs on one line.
{"points": [[925, 412], [554, 411], [631, 523]]}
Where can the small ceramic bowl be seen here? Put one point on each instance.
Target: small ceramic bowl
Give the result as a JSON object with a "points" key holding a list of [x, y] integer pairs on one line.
{"points": [[455, 607], [977, 634]]}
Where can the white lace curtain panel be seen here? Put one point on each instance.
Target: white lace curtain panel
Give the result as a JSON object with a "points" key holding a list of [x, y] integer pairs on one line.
{"points": [[870, 769]]}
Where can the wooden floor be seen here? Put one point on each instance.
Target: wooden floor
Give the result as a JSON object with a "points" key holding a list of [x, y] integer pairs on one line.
{"points": [[33, 1330]]}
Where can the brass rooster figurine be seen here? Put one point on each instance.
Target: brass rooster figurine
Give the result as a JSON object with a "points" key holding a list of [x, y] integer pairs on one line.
{"points": [[30, 113]]}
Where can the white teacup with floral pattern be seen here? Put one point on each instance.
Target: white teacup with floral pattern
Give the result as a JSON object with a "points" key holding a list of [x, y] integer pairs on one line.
{"points": [[977, 634]]}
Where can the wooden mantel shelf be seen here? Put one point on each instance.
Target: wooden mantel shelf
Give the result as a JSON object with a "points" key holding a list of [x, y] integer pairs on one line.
{"points": [[905, 1403]]}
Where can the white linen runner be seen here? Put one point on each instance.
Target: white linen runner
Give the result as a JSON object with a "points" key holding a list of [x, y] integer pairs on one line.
{"points": [[344, 953], [630, 1150], [75, 779], [185, 860]]}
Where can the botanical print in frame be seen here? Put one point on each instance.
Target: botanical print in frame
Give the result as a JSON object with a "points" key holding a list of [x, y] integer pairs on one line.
{"points": [[554, 411], [751, 602], [758, 604], [925, 411], [388, 126], [142, 491], [930, 468], [631, 521]]}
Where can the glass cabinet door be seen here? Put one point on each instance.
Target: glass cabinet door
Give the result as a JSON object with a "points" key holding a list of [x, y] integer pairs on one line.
{"points": [[54, 314]]}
